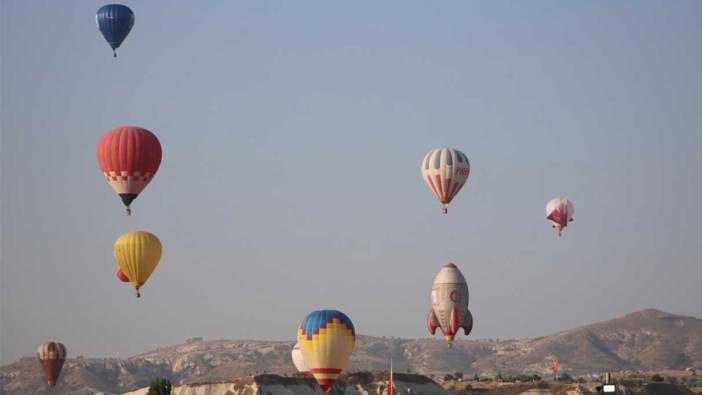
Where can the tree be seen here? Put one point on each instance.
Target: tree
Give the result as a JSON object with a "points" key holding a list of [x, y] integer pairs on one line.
{"points": [[657, 378], [448, 377], [458, 375], [160, 387]]}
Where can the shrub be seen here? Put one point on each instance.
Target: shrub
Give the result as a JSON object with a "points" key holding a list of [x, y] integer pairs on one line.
{"points": [[565, 377]]}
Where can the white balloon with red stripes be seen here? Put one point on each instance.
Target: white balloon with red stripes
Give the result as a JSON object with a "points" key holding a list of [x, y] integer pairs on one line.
{"points": [[445, 171]]}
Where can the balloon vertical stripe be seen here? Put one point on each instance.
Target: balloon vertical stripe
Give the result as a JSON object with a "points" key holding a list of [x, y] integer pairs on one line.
{"points": [[433, 188]]}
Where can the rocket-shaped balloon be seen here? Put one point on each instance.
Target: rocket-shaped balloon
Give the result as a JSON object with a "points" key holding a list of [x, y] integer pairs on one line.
{"points": [[449, 304]]}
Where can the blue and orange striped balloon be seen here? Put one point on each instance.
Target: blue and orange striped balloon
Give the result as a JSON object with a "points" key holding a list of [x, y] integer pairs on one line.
{"points": [[327, 339]]}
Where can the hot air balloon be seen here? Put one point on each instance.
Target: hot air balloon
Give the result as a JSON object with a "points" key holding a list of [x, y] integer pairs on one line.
{"points": [[121, 276], [327, 339], [445, 170], [137, 254], [299, 360], [115, 21], [129, 157], [51, 356], [449, 302], [559, 211]]}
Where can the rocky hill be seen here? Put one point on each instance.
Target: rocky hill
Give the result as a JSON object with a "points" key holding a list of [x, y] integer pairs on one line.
{"points": [[644, 340]]}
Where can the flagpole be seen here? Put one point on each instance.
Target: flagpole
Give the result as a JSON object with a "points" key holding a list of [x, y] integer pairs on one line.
{"points": [[390, 381]]}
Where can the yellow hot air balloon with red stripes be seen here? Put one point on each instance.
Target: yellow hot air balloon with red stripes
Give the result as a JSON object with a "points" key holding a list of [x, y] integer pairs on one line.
{"points": [[327, 339], [137, 254]]}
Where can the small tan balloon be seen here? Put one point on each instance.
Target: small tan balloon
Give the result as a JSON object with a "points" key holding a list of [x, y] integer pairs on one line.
{"points": [[51, 356]]}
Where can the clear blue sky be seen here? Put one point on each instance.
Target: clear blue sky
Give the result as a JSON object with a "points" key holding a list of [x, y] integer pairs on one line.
{"points": [[292, 136]]}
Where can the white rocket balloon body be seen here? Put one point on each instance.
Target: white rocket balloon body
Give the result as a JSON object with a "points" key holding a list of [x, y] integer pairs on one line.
{"points": [[449, 304]]}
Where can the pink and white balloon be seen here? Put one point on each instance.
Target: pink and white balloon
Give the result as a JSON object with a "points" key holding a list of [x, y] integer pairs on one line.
{"points": [[560, 212]]}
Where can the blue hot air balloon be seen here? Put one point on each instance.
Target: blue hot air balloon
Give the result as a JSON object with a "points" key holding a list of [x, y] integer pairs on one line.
{"points": [[114, 21]]}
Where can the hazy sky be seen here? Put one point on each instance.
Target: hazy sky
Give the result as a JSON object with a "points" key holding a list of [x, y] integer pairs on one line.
{"points": [[292, 136]]}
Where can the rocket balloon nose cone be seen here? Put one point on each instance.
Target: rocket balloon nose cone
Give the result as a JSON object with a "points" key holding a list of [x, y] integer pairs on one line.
{"points": [[448, 274], [450, 265]]}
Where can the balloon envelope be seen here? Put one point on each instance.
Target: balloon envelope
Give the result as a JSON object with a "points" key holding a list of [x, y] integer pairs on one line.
{"points": [[51, 356], [445, 171], [137, 254], [327, 339], [299, 360], [129, 157], [449, 303], [115, 21], [121, 276], [559, 211]]}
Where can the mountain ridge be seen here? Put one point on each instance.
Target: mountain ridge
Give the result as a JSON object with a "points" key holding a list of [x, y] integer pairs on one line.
{"points": [[647, 339]]}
